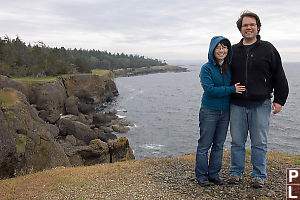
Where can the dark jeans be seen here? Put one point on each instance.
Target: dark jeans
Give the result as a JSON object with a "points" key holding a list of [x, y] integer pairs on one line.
{"points": [[213, 130]]}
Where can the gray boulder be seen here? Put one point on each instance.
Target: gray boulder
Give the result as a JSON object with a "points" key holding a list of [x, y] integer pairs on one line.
{"points": [[95, 153], [71, 105], [81, 131], [49, 97]]}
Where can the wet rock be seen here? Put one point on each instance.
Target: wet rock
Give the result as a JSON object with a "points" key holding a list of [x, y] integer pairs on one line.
{"points": [[120, 129], [112, 112]]}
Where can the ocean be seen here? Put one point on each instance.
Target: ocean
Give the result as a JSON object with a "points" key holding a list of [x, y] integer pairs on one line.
{"points": [[164, 109]]}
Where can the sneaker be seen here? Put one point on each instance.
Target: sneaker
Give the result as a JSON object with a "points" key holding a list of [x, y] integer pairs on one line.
{"points": [[234, 180], [204, 182], [216, 181], [257, 183]]}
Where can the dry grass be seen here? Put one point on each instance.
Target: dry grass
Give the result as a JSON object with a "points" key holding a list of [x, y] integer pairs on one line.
{"points": [[163, 178]]}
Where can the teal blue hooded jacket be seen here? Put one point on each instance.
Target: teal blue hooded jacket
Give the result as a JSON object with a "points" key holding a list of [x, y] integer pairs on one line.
{"points": [[215, 85]]}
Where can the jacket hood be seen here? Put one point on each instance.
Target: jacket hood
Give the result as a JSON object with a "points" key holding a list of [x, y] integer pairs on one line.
{"points": [[213, 43]]}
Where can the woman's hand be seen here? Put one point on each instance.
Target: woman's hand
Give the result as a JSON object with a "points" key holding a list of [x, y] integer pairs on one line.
{"points": [[239, 88]]}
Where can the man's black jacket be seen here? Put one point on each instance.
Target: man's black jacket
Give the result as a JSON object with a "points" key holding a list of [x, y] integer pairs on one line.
{"points": [[260, 71]]}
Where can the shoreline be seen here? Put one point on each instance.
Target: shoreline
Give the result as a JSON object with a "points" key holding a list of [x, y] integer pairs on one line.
{"points": [[128, 72]]}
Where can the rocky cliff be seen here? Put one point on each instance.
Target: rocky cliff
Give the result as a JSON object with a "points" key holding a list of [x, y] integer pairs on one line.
{"points": [[54, 123]]}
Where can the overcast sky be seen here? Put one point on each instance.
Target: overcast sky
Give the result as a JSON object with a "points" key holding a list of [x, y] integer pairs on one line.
{"points": [[164, 29]]}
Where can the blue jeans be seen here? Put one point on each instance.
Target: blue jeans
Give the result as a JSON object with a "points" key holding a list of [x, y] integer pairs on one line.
{"points": [[256, 121], [213, 130]]}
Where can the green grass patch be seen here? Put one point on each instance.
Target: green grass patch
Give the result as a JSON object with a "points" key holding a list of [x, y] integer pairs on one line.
{"points": [[30, 79], [35, 122], [21, 143], [43, 148], [100, 72], [297, 161], [8, 97]]}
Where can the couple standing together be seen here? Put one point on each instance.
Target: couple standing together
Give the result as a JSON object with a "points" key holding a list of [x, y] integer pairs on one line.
{"points": [[238, 83]]}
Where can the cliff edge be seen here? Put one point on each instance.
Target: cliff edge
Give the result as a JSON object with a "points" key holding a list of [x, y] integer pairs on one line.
{"points": [[46, 124]]}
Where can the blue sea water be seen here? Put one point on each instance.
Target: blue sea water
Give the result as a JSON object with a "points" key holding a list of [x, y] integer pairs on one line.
{"points": [[164, 108]]}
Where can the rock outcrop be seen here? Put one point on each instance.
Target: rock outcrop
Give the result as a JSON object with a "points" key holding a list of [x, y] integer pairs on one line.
{"points": [[28, 145], [49, 98], [48, 124]]}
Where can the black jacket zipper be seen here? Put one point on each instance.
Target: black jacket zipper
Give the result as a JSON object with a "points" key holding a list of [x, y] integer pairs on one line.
{"points": [[246, 81]]}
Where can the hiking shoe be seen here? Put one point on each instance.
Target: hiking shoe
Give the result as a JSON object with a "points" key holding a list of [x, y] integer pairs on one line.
{"points": [[216, 181], [204, 182], [234, 180], [257, 183]]}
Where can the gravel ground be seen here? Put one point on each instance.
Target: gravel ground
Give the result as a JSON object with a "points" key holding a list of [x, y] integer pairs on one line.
{"points": [[161, 178]]}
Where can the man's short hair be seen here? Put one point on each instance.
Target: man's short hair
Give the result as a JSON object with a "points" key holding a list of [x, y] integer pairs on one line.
{"points": [[248, 13]]}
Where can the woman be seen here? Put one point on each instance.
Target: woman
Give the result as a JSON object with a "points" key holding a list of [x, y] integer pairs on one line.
{"points": [[214, 112]]}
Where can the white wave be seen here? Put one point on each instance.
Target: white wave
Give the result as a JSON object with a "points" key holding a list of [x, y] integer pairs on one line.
{"points": [[152, 146], [122, 110], [131, 126], [121, 116], [156, 152]]}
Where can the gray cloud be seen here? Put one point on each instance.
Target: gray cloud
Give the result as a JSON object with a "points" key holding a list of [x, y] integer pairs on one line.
{"points": [[164, 29]]}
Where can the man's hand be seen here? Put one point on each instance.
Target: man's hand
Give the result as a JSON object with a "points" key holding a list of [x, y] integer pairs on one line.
{"points": [[239, 88], [276, 107]]}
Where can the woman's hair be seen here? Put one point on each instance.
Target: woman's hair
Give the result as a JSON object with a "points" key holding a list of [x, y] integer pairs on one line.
{"points": [[225, 65], [247, 13]]}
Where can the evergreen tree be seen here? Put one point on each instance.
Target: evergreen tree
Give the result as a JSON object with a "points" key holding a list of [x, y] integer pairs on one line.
{"points": [[18, 59]]}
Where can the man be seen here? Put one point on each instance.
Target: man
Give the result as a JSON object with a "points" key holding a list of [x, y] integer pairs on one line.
{"points": [[256, 64]]}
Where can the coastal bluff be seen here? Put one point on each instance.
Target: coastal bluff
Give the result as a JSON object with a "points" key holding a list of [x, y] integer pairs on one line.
{"points": [[154, 178], [59, 122]]}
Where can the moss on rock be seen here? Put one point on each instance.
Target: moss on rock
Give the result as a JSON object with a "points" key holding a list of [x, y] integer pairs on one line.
{"points": [[8, 97]]}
